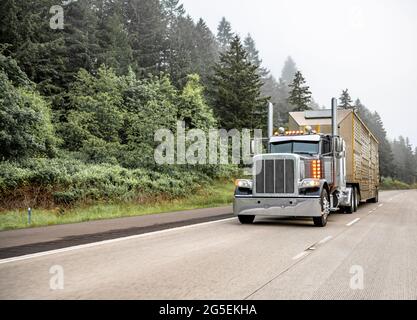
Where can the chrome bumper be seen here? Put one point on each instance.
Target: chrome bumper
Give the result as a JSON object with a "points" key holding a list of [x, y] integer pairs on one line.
{"points": [[277, 207]]}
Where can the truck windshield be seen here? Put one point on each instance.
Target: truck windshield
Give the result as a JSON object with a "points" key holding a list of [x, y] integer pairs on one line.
{"points": [[298, 147]]}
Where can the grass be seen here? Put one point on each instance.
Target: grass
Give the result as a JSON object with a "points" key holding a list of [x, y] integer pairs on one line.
{"points": [[218, 194], [391, 184]]}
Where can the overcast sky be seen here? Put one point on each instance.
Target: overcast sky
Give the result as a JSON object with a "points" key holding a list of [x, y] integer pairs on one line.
{"points": [[368, 46]]}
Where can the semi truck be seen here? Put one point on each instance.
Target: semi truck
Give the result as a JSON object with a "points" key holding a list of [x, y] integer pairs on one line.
{"points": [[326, 161]]}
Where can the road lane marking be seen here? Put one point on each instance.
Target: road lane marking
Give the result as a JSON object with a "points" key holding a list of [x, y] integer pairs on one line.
{"points": [[327, 239], [381, 205], [101, 243], [301, 255], [353, 222]]}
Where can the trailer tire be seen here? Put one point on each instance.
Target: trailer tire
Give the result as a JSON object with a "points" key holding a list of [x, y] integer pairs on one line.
{"points": [[325, 206], [355, 199], [246, 219], [376, 199]]}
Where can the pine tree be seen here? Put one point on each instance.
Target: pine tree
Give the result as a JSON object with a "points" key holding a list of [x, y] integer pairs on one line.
{"points": [[345, 100], [289, 71], [300, 95], [206, 51], [253, 55], [224, 34], [113, 39], [237, 90], [146, 25]]}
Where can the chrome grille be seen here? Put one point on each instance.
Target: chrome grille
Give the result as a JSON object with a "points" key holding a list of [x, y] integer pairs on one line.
{"points": [[275, 176]]}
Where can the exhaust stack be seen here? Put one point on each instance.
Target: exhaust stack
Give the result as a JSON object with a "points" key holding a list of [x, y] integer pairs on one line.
{"points": [[335, 124], [270, 120]]}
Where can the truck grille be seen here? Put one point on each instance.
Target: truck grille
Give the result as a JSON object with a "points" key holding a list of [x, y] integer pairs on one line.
{"points": [[275, 176]]}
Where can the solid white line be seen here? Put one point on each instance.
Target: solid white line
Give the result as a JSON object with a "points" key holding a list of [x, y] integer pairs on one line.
{"points": [[101, 243], [301, 255], [325, 240], [353, 222]]}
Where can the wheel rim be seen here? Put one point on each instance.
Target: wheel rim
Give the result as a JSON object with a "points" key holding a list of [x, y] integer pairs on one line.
{"points": [[326, 207]]}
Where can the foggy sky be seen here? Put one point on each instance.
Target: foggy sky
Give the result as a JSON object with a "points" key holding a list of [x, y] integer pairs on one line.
{"points": [[367, 46]]}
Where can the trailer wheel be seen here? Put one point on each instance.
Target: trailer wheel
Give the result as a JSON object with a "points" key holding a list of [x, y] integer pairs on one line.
{"points": [[325, 208], [246, 219], [355, 199], [376, 199]]}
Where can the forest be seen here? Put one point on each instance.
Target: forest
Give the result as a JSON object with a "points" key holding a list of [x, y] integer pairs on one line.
{"points": [[79, 106]]}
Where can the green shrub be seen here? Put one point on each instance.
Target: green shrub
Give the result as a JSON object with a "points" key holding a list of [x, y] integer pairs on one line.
{"points": [[391, 184]]}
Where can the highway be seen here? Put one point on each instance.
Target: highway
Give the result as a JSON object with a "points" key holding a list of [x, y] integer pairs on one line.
{"points": [[371, 254]]}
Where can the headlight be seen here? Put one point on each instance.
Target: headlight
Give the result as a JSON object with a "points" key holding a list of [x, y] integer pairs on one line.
{"points": [[244, 184], [309, 183]]}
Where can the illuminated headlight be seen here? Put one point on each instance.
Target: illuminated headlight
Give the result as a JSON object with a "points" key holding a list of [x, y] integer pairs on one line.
{"points": [[244, 184], [309, 183]]}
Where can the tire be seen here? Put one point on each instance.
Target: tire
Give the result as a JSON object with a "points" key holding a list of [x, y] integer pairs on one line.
{"points": [[246, 219], [355, 199], [325, 206], [376, 199]]}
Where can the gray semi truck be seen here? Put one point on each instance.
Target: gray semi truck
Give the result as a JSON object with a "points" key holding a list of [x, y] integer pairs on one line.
{"points": [[326, 161]]}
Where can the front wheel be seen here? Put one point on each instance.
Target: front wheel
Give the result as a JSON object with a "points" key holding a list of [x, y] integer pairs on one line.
{"points": [[325, 210], [246, 219]]}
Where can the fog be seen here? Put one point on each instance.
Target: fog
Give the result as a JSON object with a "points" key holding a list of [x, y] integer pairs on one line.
{"points": [[367, 46]]}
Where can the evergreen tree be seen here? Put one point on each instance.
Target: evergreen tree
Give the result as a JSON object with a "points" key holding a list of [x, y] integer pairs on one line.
{"points": [[345, 100], [27, 37], [289, 71], [146, 26], [253, 55], [300, 95], [237, 90], [224, 34], [206, 51], [113, 39]]}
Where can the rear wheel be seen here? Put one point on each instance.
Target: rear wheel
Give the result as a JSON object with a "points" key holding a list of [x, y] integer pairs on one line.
{"points": [[376, 199], [246, 219], [325, 210], [355, 199]]}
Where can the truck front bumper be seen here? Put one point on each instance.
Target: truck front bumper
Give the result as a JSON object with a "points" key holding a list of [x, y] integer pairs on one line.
{"points": [[278, 207]]}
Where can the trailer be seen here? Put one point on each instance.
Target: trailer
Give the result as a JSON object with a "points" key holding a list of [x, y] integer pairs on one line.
{"points": [[362, 156]]}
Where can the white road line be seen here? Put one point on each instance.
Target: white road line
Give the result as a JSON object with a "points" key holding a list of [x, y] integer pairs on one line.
{"points": [[327, 239], [301, 255], [381, 205], [353, 222], [101, 243]]}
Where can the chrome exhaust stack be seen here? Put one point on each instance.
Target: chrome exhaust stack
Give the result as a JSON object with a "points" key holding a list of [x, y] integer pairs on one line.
{"points": [[270, 120]]}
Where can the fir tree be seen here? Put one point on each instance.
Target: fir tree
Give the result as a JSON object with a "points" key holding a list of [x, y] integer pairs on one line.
{"points": [[289, 71], [237, 90], [253, 55], [300, 95], [224, 34], [345, 100]]}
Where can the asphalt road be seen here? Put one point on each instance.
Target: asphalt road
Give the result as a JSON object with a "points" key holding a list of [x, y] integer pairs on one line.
{"points": [[368, 255]]}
